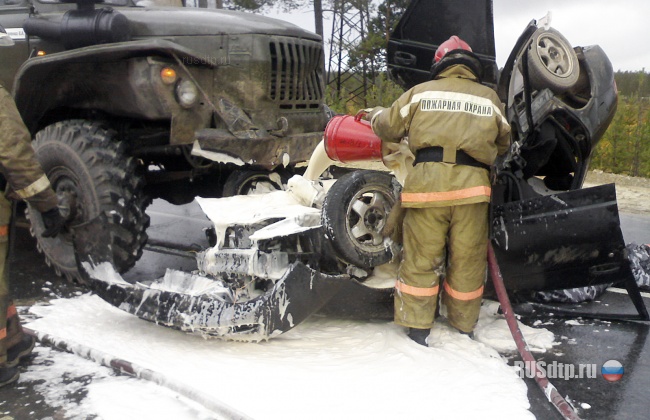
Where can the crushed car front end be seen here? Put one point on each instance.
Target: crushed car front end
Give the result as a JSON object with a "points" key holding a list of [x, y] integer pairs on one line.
{"points": [[549, 232]]}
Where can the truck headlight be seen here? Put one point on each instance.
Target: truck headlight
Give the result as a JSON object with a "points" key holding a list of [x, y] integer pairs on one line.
{"points": [[186, 93]]}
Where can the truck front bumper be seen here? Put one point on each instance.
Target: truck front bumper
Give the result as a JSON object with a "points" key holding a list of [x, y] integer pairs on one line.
{"points": [[268, 151]]}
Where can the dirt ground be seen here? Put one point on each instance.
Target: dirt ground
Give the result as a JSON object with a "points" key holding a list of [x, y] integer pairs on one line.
{"points": [[632, 193]]}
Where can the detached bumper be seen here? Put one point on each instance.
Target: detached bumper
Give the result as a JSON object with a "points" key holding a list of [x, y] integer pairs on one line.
{"points": [[299, 294]]}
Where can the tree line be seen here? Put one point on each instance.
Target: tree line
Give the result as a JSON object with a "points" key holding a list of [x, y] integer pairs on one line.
{"points": [[625, 147]]}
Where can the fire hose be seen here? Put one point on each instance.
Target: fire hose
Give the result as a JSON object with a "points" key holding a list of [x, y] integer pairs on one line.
{"points": [[222, 410], [553, 396]]}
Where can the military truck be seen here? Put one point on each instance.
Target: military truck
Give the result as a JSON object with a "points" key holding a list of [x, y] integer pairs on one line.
{"points": [[128, 102]]}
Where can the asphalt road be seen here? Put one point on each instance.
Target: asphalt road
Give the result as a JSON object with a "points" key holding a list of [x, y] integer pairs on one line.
{"points": [[584, 342], [636, 228]]}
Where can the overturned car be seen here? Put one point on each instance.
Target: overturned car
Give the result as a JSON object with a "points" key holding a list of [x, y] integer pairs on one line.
{"points": [[318, 247]]}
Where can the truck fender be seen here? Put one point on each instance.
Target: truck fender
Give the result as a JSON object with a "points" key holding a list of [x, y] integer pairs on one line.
{"points": [[36, 92]]}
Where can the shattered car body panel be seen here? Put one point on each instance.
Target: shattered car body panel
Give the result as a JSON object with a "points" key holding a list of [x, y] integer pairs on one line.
{"points": [[297, 295], [253, 295], [554, 133], [426, 24]]}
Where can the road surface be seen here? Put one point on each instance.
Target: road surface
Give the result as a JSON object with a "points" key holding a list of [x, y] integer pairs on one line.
{"points": [[599, 341]]}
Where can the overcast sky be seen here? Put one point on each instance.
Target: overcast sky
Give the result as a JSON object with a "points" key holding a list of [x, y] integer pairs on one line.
{"points": [[620, 27]]}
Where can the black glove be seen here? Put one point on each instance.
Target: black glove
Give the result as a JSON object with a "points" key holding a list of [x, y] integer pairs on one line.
{"points": [[53, 222]]}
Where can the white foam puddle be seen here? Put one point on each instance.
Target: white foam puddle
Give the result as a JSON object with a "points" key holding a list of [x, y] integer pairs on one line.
{"points": [[324, 368]]}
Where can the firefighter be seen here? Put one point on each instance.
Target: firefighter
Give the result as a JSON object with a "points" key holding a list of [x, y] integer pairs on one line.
{"points": [[22, 177], [455, 127]]}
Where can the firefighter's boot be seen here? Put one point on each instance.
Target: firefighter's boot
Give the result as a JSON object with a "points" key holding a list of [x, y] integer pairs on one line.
{"points": [[419, 335], [21, 350], [8, 375]]}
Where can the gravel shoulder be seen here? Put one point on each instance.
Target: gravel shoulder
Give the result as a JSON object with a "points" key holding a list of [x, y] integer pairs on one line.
{"points": [[632, 193]]}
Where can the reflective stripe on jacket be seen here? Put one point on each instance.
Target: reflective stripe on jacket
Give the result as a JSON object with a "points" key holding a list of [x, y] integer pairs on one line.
{"points": [[17, 161], [454, 112]]}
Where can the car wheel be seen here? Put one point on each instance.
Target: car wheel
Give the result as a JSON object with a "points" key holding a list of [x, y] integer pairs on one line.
{"points": [[249, 182], [552, 62], [355, 211], [91, 176]]}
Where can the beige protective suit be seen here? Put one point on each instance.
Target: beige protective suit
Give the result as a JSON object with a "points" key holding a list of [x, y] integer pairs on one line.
{"points": [[27, 181], [445, 228]]}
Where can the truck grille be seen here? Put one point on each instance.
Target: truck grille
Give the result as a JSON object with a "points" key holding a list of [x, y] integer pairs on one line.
{"points": [[296, 75]]}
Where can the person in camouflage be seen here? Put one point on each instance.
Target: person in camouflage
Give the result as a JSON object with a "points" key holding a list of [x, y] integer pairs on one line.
{"points": [[22, 178], [455, 127]]}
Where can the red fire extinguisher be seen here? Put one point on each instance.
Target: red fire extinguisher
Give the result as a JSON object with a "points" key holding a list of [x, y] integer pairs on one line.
{"points": [[350, 138]]}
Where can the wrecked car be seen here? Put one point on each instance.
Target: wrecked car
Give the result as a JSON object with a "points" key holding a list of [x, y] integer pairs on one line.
{"points": [[318, 247], [549, 233]]}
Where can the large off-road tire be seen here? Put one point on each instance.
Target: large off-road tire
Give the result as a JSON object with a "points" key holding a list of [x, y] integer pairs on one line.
{"points": [[250, 181], [355, 211], [92, 175], [552, 62]]}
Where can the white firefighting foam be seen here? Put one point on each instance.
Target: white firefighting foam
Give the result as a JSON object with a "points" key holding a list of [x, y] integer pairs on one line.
{"points": [[251, 209], [190, 284], [292, 211], [324, 368]]}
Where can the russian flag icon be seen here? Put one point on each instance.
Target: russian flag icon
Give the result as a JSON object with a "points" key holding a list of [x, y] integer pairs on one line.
{"points": [[612, 370]]}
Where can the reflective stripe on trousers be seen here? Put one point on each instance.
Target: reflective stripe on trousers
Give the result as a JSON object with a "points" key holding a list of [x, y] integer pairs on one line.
{"points": [[402, 287], [443, 242], [463, 295]]}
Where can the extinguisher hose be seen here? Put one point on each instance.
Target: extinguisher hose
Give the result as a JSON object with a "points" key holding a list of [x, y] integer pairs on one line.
{"points": [[565, 409]]}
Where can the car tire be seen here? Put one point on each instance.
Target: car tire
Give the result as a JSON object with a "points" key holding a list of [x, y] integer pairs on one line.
{"points": [[552, 62], [250, 181], [354, 213], [91, 174]]}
